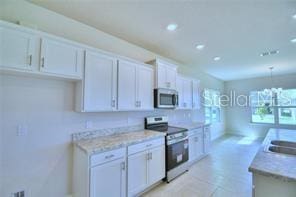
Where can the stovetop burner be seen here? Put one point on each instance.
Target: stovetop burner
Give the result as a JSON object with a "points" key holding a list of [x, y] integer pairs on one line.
{"points": [[161, 124]]}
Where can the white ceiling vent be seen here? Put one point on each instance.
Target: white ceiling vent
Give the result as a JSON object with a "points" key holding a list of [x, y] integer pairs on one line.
{"points": [[273, 52]]}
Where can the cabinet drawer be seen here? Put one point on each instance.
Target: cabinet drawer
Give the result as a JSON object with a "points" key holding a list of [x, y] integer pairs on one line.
{"points": [[145, 145], [194, 131], [107, 156]]}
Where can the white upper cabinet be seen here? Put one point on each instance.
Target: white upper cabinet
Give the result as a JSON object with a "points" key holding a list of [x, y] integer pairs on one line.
{"points": [[166, 74], [61, 57], [145, 78], [100, 82], [135, 86], [179, 84], [184, 88], [187, 93], [195, 94], [17, 49], [127, 86]]}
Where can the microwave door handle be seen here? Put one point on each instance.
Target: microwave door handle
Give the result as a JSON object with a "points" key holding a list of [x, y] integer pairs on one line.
{"points": [[176, 100]]}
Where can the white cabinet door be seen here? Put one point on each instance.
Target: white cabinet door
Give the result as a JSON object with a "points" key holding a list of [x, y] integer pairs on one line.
{"points": [[179, 87], [17, 49], [187, 93], [108, 179], [127, 86], [137, 172], [161, 76], [199, 145], [100, 82], [156, 164], [195, 95], [145, 88], [61, 58], [207, 139], [192, 148], [166, 75], [171, 75]]}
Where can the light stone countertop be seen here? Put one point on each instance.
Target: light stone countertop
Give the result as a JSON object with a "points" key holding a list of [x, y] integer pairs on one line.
{"points": [[189, 125], [280, 166], [114, 141]]}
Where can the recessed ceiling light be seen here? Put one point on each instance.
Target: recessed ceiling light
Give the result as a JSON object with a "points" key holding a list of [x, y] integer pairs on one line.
{"points": [[293, 40], [172, 27], [294, 16], [217, 58], [200, 47]]}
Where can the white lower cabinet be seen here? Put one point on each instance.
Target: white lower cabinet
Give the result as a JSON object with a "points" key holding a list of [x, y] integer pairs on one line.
{"points": [[145, 167], [108, 179], [199, 143], [137, 174], [196, 149], [207, 139], [114, 174], [102, 174], [156, 167]]}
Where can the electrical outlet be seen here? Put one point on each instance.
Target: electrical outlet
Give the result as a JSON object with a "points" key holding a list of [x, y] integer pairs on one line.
{"points": [[89, 124], [19, 194], [22, 130]]}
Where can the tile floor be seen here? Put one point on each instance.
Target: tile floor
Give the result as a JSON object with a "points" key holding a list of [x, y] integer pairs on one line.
{"points": [[223, 173]]}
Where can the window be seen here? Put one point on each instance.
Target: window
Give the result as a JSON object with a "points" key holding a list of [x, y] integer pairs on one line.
{"points": [[287, 107], [212, 105], [262, 107], [274, 108]]}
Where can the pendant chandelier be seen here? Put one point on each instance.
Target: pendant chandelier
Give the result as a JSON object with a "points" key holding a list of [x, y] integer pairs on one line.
{"points": [[273, 90]]}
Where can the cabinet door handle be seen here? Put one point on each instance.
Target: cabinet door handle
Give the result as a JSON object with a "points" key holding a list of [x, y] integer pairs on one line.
{"points": [[42, 62], [167, 84], [30, 60], [148, 145], [109, 156], [150, 156], [123, 166], [113, 103], [140, 103]]}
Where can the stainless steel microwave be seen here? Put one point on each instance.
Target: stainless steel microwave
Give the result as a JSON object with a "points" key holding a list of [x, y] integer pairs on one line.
{"points": [[165, 98]]}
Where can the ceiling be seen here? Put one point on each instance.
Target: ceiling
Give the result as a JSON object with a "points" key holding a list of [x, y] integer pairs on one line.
{"points": [[236, 30]]}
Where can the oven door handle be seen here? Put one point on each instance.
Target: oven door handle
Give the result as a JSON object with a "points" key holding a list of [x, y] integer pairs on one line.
{"points": [[174, 141], [175, 100]]}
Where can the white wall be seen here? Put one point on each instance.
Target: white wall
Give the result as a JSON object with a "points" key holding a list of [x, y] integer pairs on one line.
{"points": [[41, 161], [238, 119], [207, 81]]}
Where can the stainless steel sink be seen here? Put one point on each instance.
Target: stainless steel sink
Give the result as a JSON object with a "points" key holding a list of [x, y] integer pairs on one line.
{"points": [[283, 143], [282, 150]]}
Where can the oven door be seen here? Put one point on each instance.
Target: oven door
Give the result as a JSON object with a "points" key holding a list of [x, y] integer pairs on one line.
{"points": [[176, 154], [165, 98]]}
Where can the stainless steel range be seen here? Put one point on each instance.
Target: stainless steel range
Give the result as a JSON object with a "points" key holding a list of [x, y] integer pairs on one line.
{"points": [[176, 145]]}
